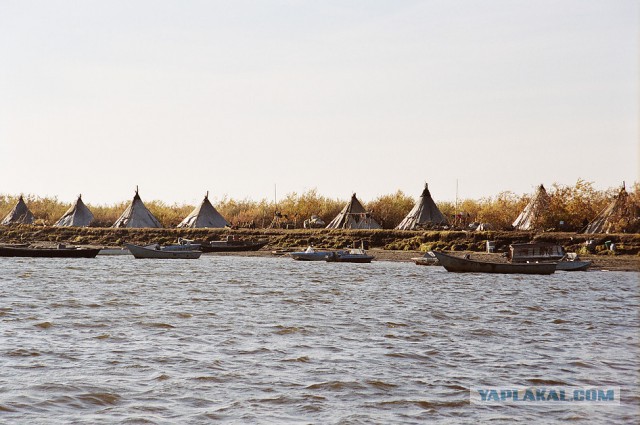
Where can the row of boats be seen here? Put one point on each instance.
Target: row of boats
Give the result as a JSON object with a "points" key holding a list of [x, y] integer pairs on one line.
{"points": [[527, 258]]}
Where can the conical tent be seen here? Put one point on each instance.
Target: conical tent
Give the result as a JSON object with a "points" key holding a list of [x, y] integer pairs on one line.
{"points": [[204, 215], [619, 214], [137, 215], [353, 216], [532, 215], [76, 216], [425, 213], [20, 214]]}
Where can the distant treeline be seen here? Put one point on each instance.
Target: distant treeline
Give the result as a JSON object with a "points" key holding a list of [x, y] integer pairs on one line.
{"points": [[572, 206]]}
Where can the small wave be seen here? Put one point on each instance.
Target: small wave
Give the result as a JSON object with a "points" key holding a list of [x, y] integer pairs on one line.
{"points": [[100, 399], [423, 404], [286, 330], [538, 381], [482, 332], [184, 315], [20, 352], [103, 336], [158, 325], [412, 356], [534, 308], [4, 408], [382, 385], [396, 325], [162, 377], [335, 386], [303, 359], [44, 325], [560, 321], [581, 364], [209, 379]]}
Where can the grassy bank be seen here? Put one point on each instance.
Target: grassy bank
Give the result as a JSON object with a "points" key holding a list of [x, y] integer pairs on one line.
{"points": [[628, 244]]}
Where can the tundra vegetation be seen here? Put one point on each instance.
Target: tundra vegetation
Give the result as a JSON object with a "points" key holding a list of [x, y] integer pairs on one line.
{"points": [[570, 205]]}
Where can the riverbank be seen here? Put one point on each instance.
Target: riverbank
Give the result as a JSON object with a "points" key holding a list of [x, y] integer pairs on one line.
{"points": [[626, 263], [387, 245]]}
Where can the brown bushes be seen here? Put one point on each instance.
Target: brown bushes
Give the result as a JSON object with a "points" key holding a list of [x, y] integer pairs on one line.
{"points": [[571, 205]]}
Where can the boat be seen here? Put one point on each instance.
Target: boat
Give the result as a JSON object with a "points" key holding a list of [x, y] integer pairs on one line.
{"points": [[572, 263], [467, 265], [182, 245], [546, 252], [355, 255], [311, 254], [428, 259], [232, 244], [158, 252], [61, 251]]}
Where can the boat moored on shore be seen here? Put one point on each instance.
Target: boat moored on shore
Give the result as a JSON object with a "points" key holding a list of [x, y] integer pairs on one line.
{"points": [[158, 252], [465, 264], [61, 251]]}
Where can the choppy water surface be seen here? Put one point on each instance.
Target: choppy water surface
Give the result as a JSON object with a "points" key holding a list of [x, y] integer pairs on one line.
{"points": [[247, 339]]}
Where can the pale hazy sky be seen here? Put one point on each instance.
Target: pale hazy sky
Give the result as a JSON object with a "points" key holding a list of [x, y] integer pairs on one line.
{"points": [[234, 97]]}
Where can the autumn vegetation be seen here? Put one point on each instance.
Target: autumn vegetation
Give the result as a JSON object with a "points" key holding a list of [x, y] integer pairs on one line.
{"points": [[571, 205]]}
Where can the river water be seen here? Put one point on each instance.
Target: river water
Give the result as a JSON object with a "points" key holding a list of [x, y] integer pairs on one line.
{"points": [[272, 340]]}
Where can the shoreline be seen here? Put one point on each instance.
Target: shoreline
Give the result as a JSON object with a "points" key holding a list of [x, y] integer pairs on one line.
{"points": [[385, 244], [622, 263]]}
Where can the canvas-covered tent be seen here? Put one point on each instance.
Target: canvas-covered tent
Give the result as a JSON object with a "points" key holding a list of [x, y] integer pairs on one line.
{"points": [[137, 215], [78, 215], [20, 214], [532, 215], [425, 213], [205, 215], [353, 216], [616, 217]]}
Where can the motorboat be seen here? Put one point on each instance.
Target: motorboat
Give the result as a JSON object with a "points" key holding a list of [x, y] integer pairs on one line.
{"points": [[355, 255], [465, 264], [157, 251], [311, 254]]}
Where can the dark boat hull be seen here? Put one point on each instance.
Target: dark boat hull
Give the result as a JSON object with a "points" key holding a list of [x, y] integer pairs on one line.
{"points": [[225, 246], [463, 265], [48, 252]]}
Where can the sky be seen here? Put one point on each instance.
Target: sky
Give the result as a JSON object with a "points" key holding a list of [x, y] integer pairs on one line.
{"points": [[258, 99]]}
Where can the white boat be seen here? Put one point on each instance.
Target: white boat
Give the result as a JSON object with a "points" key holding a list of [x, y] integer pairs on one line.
{"points": [[311, 254], [158, 252], [428, 259]]}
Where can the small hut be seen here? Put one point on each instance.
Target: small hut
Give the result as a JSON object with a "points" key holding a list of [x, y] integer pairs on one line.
{"points": [[20, 214], [204, 215], [353, 216], [619, 215], [532, 216], [424, 214], [76, 216], [137, 215]]}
